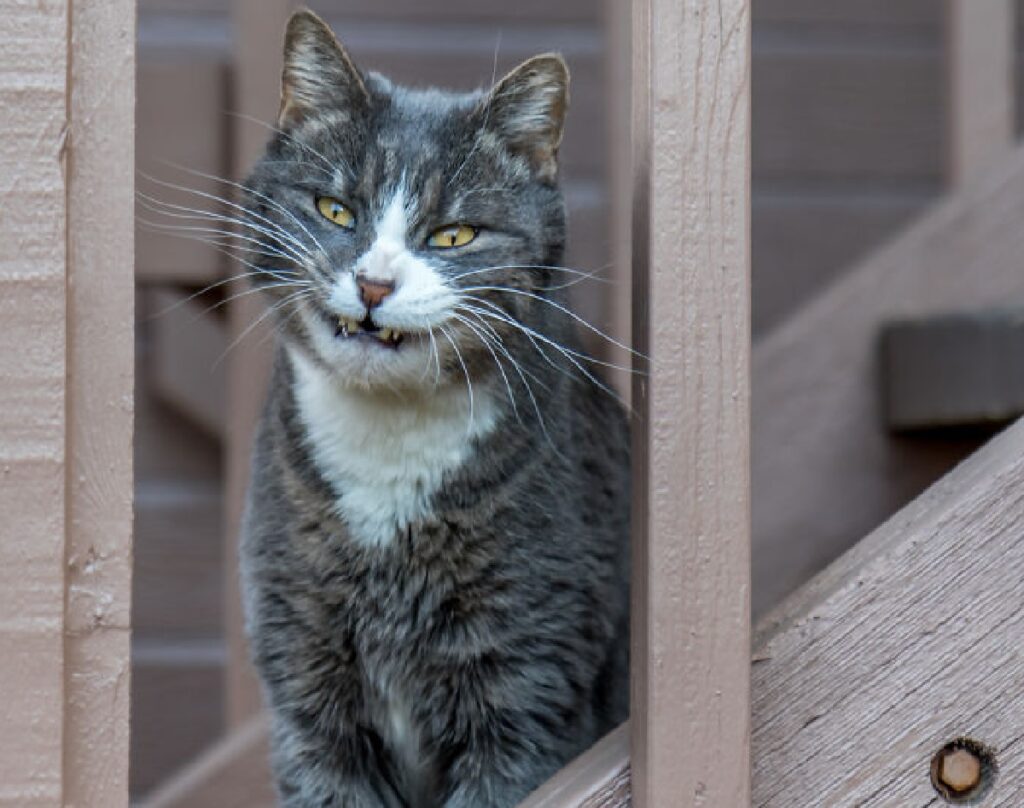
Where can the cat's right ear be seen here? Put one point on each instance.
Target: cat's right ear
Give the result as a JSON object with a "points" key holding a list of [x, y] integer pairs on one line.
{"points": [[318, 74]]}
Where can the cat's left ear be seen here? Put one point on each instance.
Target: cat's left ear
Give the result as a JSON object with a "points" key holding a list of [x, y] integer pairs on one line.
{"points": [[527, 110], [318, 72]]}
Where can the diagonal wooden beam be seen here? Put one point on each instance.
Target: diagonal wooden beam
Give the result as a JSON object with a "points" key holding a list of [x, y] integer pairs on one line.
{"points": [[909, 641]]}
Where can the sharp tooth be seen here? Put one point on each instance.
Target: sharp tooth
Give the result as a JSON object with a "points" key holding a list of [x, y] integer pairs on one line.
{"points": [[384, 335], [353, 326], [396, 336]]}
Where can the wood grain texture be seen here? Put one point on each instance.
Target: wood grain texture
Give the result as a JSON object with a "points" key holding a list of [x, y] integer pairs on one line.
{"points": [[825, 471], [33, 255], [690, 631], [100, 381], [599, 778], [908, 641], [981, 64]]}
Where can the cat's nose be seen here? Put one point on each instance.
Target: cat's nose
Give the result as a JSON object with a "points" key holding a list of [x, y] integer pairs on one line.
{"points": [[373, 291]]}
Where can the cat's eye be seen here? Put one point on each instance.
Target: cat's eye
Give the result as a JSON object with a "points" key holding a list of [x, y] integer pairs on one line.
{"points": [[332, 210], [453, 235]]}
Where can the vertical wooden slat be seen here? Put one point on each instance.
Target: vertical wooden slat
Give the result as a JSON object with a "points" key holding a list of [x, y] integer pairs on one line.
{"points": [[100, 311], [257, 76], [982, 56], [33, 97], [691, 601]]}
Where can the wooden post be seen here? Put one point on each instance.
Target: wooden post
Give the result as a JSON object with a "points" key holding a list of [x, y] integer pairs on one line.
{"points": [[691, 596], [982, 57], [66, 88], [101, 323], [259, 34]]}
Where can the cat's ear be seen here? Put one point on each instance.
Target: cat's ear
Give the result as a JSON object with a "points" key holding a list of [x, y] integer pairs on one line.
{"points": [[318, 73], [527, 110]]}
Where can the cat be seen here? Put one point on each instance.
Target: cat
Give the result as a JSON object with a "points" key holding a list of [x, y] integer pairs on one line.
{"points": [[435, 556]]}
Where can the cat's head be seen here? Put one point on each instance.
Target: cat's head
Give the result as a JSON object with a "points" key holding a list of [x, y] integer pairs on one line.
{"points": [[407, 234]]}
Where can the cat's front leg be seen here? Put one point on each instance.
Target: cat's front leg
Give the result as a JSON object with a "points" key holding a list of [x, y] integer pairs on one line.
{"points": [[344, 771], [508, 744]]}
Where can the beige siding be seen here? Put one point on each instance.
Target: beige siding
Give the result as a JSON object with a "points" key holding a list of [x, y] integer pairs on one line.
{"points": [[33, 95]]}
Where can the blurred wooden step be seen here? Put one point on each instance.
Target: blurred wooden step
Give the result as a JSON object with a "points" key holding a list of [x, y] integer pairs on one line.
{"points": [[957, 370]]}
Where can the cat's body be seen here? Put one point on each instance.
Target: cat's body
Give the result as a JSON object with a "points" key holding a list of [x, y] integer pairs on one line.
{"points": [[435, 550]]}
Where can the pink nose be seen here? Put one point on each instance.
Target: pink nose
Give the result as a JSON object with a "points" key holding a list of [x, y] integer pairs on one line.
{"points": [[373, 292]]}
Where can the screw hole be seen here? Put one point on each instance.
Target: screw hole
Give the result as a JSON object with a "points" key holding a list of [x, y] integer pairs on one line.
{"points": [[963, 771]]}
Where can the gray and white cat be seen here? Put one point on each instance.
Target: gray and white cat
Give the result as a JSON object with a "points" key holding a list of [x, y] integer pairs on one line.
{"points": [[435, 553]]}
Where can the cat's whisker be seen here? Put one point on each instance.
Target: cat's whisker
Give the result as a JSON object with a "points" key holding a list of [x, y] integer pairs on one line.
{"points": [[562, 348], [526, 384], [465, 370], [186, 300], [437, 358], [568, 353], [221, 238], [293, 239], [561, 308], [537, 347], [271, 333], [271, 229], [269, 200], [501, 369], [252, 290], [255, 324], [475, 312]]}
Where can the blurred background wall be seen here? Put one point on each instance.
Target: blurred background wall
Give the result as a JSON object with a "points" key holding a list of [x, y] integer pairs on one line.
{"points": [[848, 146]]}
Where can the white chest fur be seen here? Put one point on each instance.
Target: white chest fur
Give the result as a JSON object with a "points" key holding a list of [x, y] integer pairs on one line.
{"points": [[386, 455]]}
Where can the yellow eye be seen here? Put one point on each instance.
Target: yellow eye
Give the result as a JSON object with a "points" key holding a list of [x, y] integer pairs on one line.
{"points": [[331, 209], [454, 235]]}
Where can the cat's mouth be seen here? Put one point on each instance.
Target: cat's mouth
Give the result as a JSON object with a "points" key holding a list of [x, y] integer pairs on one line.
{"points": [[367, 329]]}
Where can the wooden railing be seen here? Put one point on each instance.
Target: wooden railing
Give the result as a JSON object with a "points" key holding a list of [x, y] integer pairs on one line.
{"points": [[905, 646]]}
